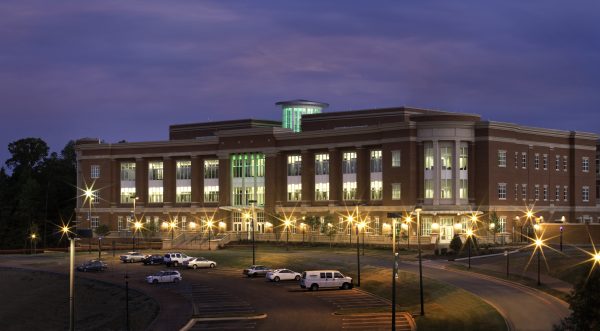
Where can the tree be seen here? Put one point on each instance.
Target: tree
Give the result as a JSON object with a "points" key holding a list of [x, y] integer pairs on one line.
{"points": [[584, 303], [495, 228], [456, 244], [27, 154]]}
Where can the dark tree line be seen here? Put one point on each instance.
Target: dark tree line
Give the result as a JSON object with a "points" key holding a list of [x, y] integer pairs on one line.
{"points": [[36, 193]]}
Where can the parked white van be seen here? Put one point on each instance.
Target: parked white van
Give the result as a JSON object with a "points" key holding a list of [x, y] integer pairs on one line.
{"points": [[315, 279]]}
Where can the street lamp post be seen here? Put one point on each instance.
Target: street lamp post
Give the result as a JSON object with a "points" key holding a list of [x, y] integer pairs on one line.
{"points": [[252, 202], [126, 302], [209, 223], [33, 237], [66, 231], [561, 237], [363, 226], [357, 257], [469, 235], [418, 209], [408, 221], [287, 224], [99, 247], [506, 254], [137, 226], [302, 226], [538, 244]]}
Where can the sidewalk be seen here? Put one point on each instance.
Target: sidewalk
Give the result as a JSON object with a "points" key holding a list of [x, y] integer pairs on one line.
{"points": [[497, 264]]}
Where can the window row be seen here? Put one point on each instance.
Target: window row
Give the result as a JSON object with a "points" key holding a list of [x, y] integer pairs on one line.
{"points": [[521, 159]]}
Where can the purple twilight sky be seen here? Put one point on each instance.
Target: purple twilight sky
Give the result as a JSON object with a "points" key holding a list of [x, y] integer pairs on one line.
{"points": [[128, 69]]}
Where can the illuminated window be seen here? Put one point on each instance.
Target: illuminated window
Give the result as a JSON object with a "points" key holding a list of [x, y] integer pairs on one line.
{"points": [[396, 159], [95, 171], [376, 161], [184, 170], [184, 194], [446, 157], [545, 161], [127, 171], [294, 192], [464, 158], [155, 194], [376, 190], [211, 193], [155, 170], [396, 191], [502, 191], [464, 189], [349, 163], [446, 188], [294, 165], [127, 194], [585, 164], [536, 161], [321, 164], [502, 158], [428, 189], [94, 222], [211, 169], [321, 191], [349, 190], [585, 194], [429, 160], [524, 160]]}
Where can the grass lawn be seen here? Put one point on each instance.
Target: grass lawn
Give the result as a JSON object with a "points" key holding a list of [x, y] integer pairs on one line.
{"points": [[98, 305], [447, 307]]}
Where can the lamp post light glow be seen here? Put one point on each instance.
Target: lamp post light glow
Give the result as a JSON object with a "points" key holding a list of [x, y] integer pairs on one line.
{"points": [[418, 210], [137, 226], [209, 225], [33, 243], [222, 226], [408, 220], [172, 225], [287, 224], [350, 221]]}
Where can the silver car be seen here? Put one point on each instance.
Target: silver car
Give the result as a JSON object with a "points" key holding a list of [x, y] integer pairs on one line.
{"points": [[199, 262]]}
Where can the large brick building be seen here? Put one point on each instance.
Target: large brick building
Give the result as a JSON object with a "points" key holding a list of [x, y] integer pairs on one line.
{"points": [[327, 165]]}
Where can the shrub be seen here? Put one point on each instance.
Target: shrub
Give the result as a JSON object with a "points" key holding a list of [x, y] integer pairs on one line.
{"points": [[456, 244]]}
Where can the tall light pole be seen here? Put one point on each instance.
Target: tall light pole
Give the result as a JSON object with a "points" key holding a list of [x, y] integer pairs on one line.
{"points": [[67, 232], [287, 224], [33, 237], [172, 226], [252, 202], [469, 235], [350, 220], [362, 227], [394, 269], [137, 226], [561, 237], [538, 246], [408, 221], [418, 210], [209, 224], [357, 256]]}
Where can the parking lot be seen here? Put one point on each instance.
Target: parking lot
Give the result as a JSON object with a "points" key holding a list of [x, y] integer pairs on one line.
{"points": [[224, 298]]}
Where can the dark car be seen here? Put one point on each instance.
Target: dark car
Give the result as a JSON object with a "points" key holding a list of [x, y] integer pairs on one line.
{"points": [[92, 265], [154, 259]]}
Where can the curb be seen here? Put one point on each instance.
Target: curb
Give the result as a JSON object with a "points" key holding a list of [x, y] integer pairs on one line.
{"points": [[194, 320], [484, 256]]}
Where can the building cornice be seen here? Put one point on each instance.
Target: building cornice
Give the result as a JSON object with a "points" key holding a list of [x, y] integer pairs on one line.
{"points": [[536, 131]]}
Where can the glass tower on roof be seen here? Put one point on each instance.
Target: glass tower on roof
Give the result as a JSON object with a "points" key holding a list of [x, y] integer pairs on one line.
{"points": [[293, 110]]}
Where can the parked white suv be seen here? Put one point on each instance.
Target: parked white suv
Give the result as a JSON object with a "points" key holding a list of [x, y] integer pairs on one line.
{"points": [[168, 276], [176, 259], [315, 279]]}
